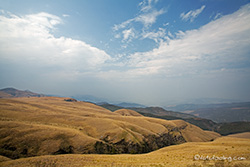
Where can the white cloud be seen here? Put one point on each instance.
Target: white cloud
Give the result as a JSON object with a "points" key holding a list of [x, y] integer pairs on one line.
{"points": [[29, 39], [158, 36], [218, 15], [117, 35], [222, 43], [66, 15], [147, 17], [166, 24], [192, 14], [122, 25], [128, 34], [146, 5]]}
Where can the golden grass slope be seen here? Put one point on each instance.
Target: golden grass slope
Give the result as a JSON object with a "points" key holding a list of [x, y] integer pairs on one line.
{"points": [[241, 135], [127, 112], [50, 125], [173, 156]]}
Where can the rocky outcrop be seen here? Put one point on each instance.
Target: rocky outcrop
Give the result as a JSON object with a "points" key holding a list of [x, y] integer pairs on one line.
{"points": [[149, 143], [70, 100]]}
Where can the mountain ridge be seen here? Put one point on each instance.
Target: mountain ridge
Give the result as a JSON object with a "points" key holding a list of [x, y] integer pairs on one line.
{"points": [[224, 112], [13, 92]]}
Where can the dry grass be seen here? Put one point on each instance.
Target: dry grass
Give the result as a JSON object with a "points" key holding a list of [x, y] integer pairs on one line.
{"points": [[50, 125], [178, 155], [24, 139], [127, 112], [89, 119], [3, 158], [241, 135]]}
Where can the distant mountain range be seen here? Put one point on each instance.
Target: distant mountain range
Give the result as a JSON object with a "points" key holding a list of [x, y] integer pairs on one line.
{"points": [[224, 112], [89, 98], [126, 105], [206, 101], [100, 101], [12, 92], [162, 112], [214, 109]]}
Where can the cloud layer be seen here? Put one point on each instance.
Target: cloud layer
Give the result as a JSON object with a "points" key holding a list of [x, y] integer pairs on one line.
{"points": [[192, 14], [146, 18], [30, 38], [222, 44]]}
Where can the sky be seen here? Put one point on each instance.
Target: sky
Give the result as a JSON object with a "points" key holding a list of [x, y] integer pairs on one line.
{"points": [[152, 52]]}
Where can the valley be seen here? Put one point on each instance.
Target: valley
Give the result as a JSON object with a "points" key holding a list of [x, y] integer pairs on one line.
{"points": [[61, 131]]}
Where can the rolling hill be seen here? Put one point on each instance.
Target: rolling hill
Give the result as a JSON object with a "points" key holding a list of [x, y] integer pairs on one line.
{"points": [[127, 112], [157, 111], [241, 135], [110, 107], [36, 126], [183, 155]]}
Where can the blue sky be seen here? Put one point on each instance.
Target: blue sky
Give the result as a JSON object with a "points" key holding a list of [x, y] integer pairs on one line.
{"points": [[153, 52]]}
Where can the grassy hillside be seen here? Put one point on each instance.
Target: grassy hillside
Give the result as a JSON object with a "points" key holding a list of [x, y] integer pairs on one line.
{"points": [[51, 125], [127, 112], [110, 107], [178, 156], [241, 135]]}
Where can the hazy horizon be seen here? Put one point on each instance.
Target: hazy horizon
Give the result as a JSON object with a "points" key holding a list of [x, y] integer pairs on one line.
{"points": [[151, 52]]}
